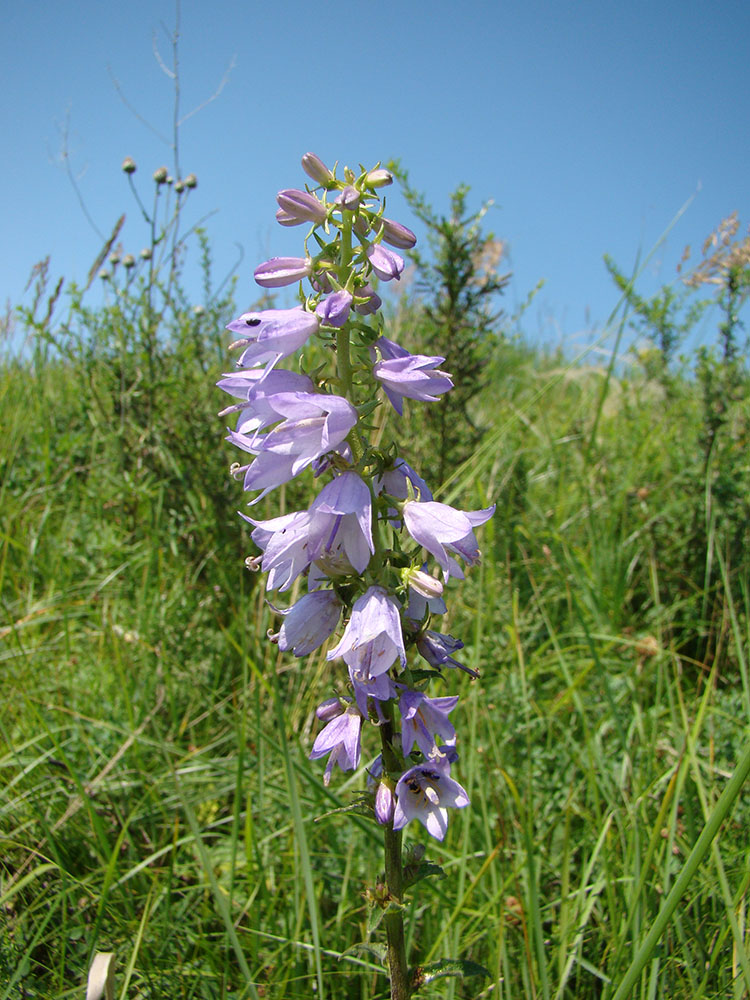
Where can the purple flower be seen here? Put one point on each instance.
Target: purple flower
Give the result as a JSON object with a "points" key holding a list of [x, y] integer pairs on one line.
{"points": [[384, 262], [442, 529], [372, 301], [312, 425], [438, 649], [284, 543], [334, 310], [273, 334], [396, 482], [309, 622], [373, 639], [256, 386], [341, 526], [379, 688], [315, 168], [340, 738], [397, 235], [279, 271], [379, 178], [422, 719], [426, 792], [349, 198], [415, 376], [298, 207]]}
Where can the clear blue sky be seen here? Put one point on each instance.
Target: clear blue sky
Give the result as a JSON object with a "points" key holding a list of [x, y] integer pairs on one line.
{"points": [[588, 123]]}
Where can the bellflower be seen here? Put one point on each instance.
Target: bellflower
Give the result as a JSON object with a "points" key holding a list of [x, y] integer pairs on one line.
{"points": [[379, 688], [442, 529], [373, 639], [384, 262], [309, 622], [422, 719], [280, 271], [340, 738], [438, 649], [272, 334], [414, 376], [426, 792], [341, 526], [313, 424], [257, 386], [284, 542], [349, 198]]}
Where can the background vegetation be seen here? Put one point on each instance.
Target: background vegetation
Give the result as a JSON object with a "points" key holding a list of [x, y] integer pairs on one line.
{"points": [[155, 794]]}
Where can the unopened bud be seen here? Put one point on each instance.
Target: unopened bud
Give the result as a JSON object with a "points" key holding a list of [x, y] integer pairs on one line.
{"points": [[128, 165], [315, 168], [114, 258], [104, 274], [329, 710], [179, 187], [424, 584], [191, 181], [128, 260], [146, 253], [379, 178], [160, 175], [397, 235], [349, 198]]}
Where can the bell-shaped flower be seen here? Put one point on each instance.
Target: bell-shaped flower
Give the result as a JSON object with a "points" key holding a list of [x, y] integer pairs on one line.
{"points": [[349, 198], [284, 542], [438, 649], [280, 271], [297, 207], [380, 688], [340, 738], [422, 719], [311, 425], [373, 639], [341, 526], [385, 803], [272, 334], [426, 792], [442, 530], [414, 376], [255, 386], [334, 309], [384, 262], [309, 622]]}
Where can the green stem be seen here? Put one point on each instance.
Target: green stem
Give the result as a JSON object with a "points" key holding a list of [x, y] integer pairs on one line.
{"points": [[394, 878]]}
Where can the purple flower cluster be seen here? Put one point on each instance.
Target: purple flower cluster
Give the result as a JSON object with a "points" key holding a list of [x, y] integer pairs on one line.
{"points": [[362, 543]]}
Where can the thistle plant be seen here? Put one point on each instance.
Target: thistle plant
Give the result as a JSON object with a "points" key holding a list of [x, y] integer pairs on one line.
{"points": [[376, 550]]}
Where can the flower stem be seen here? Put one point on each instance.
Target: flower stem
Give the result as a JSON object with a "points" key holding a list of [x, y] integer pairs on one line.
{"points": [[394, 878]]}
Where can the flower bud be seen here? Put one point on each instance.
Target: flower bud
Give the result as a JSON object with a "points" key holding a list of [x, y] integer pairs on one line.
{"points": [[426, 586], [379, 178], [179, 187], [349, 198], [160, 175], [146, 253], [128, 260], [114, 258], [279, 271], [315, 168], [370, 303], [330, 709], [384, 804], [384, 262], [128, 165], [104, 274], [334, 310], [191, 181], [299, 207], [397, 235]]}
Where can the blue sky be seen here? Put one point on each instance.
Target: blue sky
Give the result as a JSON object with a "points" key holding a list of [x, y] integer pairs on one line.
{"points": [[590, 124]]}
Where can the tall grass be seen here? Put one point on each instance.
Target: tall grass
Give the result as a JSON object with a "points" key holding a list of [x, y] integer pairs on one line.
{"points": [[156, 795]]}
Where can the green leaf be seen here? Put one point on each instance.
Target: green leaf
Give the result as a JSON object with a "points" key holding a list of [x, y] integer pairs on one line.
{"points": [[424, 974], [414, 874]]}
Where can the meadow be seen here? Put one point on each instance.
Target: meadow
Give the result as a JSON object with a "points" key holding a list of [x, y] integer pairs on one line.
{"points": [[156, 797]]}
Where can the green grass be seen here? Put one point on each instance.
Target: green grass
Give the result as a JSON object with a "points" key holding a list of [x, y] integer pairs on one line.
{"points": [[155, 794]]}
